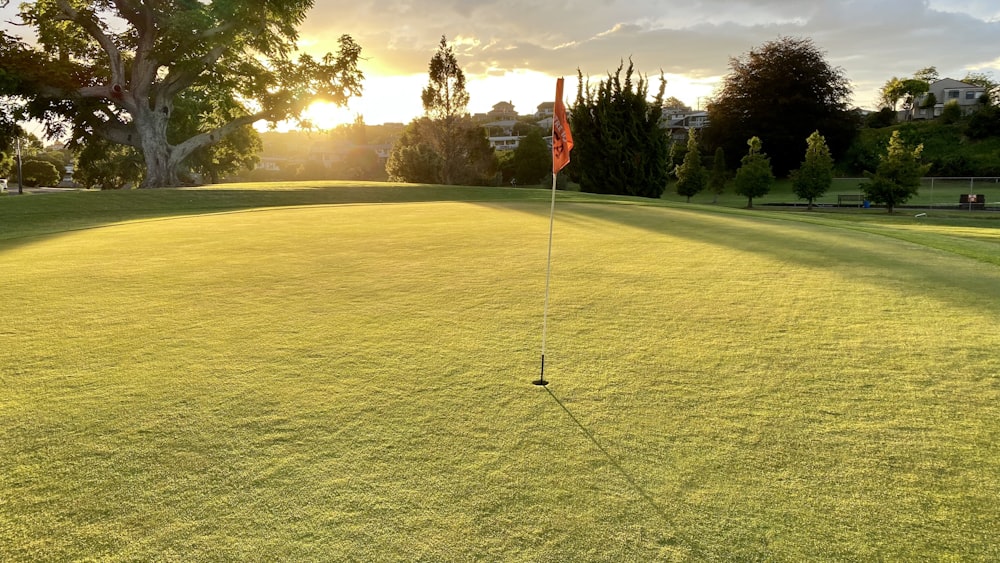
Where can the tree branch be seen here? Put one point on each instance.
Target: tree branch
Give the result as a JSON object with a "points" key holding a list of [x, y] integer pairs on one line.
{"points": [[95, 31], [185, 148], [178, 80]]}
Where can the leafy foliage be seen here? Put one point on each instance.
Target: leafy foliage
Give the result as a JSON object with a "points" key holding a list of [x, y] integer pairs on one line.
{"points": [[532, 159], [897, 177], [754, 177], [107, 166], [986, 81], [40, 173], [781, 92], [984, 123], [691, 175], [951, 113], [418, 155], [619, 146], [119, 70], [718, 175], [676, 158], [445, 96], [444, 146], [413, 160], [814, 177]]}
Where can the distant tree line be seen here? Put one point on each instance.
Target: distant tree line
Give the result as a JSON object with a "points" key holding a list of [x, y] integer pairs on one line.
{"points": [[131, 126]]}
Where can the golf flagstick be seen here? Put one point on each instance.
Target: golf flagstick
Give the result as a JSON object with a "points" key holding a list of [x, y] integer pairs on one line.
{"points": [[562, 143]]}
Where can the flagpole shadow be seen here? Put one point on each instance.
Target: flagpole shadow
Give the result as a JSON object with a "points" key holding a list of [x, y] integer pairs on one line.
{"points": [[694, 547]]}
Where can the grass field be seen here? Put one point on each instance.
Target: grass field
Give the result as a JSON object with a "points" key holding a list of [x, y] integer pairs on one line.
{"points": [[344, 373]]}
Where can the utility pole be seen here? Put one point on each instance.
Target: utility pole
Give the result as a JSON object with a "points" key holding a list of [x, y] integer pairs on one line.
{"points": [[20, 180]]}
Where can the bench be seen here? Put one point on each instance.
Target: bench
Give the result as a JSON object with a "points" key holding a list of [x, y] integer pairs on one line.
{"points": [[972, 201], [855, 199]]}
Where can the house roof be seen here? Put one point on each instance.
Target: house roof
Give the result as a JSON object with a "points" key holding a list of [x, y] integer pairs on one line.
{"points": [[949, 83]]}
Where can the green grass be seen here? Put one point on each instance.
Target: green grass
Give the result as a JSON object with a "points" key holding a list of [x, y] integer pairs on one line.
{"points": [[188, 375], [937, 194]]}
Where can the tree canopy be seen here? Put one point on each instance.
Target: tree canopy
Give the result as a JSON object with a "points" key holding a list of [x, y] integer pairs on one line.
{"points": [[897, 177], [532, 159], [119, 70], [444, 146], [445, 96], [986, 81], [619, 146], [781, 92]]}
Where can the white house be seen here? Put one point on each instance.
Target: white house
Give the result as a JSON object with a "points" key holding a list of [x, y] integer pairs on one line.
{"points": [[946, 91], [678, 123]]}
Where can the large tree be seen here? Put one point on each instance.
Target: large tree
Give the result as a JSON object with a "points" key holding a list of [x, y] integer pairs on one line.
{"points": [[444, 146], [619, 146], [116, 70], [781, 92], [445, 102], [908, 90]]}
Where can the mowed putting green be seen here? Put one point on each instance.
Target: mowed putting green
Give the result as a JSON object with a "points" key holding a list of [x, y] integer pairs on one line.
{"points": [[353, 382]]}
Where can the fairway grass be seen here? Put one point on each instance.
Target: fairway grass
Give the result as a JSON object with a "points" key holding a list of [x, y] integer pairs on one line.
{"points": [[353, 382]]}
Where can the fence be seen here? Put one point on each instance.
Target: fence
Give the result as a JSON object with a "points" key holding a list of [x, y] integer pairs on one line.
{"points": [[936, 192]]}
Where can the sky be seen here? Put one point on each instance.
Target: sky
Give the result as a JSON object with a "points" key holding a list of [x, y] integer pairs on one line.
{"points": [[513, 50]]}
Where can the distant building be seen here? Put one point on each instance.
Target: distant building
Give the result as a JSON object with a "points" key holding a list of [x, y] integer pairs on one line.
{"points": [[502, 111], [545, 110], [942, 92], [678, 123]]}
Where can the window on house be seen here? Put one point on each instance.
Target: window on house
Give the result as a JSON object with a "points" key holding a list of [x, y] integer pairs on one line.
{"points": [[952, 94], [972, 95]]}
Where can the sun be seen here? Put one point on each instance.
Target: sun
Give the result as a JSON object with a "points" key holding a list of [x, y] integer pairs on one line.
{"points": [[327, 115]]}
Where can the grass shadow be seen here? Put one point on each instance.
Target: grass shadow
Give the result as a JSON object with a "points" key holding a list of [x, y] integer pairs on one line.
{"points": [[694, 547]]}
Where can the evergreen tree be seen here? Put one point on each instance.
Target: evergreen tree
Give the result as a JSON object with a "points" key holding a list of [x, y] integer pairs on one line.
{"points": [[754, 177], [815, 176], [676, 158], [619, 146], [691, 176], [718, 175], [897, 177]]}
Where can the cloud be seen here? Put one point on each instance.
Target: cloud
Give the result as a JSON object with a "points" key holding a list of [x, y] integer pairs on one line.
{"points": [[871, 41]]}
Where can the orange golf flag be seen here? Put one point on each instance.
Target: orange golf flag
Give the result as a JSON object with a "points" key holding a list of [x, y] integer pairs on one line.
{"points": [[562, 138]]}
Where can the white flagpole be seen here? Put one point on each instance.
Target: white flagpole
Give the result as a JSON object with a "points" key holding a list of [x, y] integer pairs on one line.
{"points": [[548, 277]]}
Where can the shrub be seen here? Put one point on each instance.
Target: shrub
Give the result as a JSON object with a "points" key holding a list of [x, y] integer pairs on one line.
{"points": [[984, 123], [951, 113], [40, 173], [884, 117]]}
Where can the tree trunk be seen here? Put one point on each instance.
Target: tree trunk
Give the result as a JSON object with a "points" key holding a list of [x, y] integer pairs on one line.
{"points": [[161, 168]]}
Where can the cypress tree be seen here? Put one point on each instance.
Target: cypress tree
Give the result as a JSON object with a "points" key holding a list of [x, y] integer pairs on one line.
{"points": [[619, 146], [691, 177]]}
